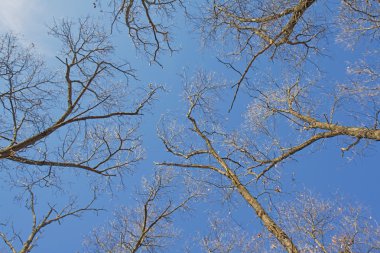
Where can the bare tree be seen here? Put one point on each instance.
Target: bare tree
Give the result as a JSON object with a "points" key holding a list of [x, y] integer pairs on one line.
{"points": [[148, 23], [71, 118], [358, 19], [245, 31], [329, 225], [248, 161], [208, 151], [16, 241], [349, 112], [290, 31], [81, 113], [280, 29], [316, 225], [149, 225], [77, 118]]}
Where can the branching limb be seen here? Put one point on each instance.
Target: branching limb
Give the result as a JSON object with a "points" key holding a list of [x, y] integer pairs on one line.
{"points": [[95, 104], [146, 23], [148, 226], [38, 225]]}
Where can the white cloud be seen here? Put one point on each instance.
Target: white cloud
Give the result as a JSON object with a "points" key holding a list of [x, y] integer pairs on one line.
{"points": [[20, 16], [31, 18]]}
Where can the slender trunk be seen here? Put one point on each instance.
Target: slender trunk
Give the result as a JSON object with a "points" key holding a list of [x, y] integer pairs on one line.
{"points": [[268, 222]]}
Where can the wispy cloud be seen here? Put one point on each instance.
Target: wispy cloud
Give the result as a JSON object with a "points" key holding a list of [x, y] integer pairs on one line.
{"points": [[30, 18], [20, 16]]}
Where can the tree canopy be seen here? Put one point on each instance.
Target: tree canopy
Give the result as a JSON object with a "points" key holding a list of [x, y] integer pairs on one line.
{"points": [[287, 81]]}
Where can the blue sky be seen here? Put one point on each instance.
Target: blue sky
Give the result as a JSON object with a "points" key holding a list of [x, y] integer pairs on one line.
{"points": [[324, 172]]}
